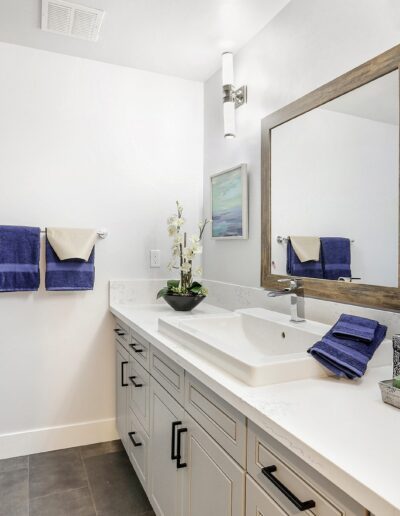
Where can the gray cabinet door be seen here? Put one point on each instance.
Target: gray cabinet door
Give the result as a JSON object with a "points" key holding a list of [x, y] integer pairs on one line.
{"points": [[214, 482], [122, 362], [165, 479], [259, 503]]}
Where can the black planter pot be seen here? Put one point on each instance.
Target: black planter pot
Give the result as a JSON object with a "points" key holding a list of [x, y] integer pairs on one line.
{"points": [[183, 303]]}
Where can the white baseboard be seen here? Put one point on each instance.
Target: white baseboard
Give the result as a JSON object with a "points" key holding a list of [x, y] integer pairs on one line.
{"points": [[57, 437]]}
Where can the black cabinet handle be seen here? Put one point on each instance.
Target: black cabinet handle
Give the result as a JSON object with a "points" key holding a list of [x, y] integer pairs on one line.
{"points": [[123, 384], [180, 464], [132, 379], [133, 346], [135, 443], [174, 456], [301, 506], [119, 332]]}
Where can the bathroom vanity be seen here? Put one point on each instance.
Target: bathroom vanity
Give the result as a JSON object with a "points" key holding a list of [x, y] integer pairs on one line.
{"points": [[194, 451]]}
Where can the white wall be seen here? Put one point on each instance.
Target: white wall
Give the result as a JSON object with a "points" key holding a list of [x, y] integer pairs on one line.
{"points": [[309, 43], [84, 144], [335, 174]]}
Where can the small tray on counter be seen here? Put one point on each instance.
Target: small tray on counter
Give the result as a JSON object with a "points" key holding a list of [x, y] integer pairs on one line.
{"points": [[390, 394]]}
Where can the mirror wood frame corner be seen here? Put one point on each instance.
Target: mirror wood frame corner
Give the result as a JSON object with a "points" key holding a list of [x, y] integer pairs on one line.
{"points": [[344, 292]]}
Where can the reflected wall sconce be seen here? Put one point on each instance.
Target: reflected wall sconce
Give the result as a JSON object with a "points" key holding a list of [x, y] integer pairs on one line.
{"points": [[232, 98]]}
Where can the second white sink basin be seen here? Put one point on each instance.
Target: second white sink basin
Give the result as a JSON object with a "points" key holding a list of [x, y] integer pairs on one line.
{"points": [[257, 346]]}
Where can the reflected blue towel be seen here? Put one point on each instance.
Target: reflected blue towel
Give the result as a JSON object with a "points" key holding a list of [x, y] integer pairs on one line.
{"points": [[294, 267], [19, 258], [346, 357], [68, 274], [357, 328], [336, 257]]}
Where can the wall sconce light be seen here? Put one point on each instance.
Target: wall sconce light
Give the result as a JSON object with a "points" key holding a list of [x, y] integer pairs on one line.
{"points": [[232, 98]]}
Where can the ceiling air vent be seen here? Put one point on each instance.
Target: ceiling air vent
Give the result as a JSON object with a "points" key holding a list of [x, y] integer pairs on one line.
{"points": [[71, 19]]}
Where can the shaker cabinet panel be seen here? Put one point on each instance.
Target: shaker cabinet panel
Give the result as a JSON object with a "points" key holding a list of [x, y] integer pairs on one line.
{"points": [[139, 393], [259, 503], [138, 448], [122, 363], [277, 469], [140, 349], [122, 332], [224, 423], [165, 479], [169, 374], [214, 483]]}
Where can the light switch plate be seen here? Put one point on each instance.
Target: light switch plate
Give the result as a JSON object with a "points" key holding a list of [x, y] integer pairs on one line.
{"points": [[155, 258]]}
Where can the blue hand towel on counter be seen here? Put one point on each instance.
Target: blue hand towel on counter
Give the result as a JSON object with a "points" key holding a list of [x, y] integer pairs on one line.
{"points": [[74, 274], [347, 358], [294, 267], [357, 328], [19, 258], [336, 257]]}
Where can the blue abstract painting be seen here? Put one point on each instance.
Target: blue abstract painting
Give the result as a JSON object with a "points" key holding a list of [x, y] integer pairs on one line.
{"points": [[227, 204]]}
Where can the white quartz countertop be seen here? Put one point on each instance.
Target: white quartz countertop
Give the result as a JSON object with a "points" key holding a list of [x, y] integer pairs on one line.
{"points": [[340, 427]]}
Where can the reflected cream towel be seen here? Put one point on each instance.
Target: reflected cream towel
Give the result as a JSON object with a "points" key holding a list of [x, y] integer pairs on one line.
{"points": [[70, 243], [306, 248]]}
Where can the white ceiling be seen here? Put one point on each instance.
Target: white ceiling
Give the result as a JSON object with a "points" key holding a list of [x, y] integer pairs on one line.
{"points": [[378, 100], [177, 37]]}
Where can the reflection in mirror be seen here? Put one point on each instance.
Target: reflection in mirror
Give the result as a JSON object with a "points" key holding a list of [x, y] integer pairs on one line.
{"points": [[335, 180]]}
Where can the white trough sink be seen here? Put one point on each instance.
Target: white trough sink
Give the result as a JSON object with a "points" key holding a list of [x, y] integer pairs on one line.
{"points": [[255, 345]]}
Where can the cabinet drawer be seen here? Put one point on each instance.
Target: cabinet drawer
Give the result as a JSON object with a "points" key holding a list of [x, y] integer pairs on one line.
{"points": [[224, 423], [139, 393], [295, 475], [140, 349], [259, 503], [138, 448], [169, 374], [122, 332]]}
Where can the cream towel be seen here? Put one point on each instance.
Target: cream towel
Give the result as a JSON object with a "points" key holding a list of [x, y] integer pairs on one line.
{"points": [[70, 243], [306, 248]]}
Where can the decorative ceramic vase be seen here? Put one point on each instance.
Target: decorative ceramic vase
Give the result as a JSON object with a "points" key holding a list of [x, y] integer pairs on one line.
{"points": [[183, 303], [396, 355]]}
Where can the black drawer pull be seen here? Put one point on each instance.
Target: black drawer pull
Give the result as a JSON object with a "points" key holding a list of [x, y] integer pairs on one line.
{"points": [[132, 379], [133, 346], [135, 443], [119, 332], [174, 456], [180, 464], [123, 384], [301, 506]]}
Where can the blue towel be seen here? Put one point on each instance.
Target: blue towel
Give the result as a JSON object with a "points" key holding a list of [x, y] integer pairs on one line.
{"points": [[336, 257], [19, 258], [294, 267], [345, 357], [357, 328], [68, 274]]}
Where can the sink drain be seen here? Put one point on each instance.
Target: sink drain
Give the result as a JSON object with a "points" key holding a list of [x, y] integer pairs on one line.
{"points": [[283, 335]]}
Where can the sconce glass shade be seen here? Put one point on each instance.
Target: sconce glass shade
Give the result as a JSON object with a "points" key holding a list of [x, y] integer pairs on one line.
{"points": [[229, 119], [227, 68]]}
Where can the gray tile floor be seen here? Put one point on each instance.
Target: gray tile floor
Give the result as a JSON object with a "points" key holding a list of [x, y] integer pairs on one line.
{"points": [[95, 480]]}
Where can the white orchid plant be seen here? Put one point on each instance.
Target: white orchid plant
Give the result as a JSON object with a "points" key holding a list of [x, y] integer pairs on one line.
{"points": [[184, 252]]}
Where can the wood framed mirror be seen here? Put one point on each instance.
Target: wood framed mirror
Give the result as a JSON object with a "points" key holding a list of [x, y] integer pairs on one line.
{"points": [[330, 169]]}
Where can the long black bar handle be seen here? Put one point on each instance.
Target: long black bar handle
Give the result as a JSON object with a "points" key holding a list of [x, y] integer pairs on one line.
{"points": [[180, 464], [133, 346], [123, 384], [132, 379], [301, 506], [174, 456], [119, 332], [135, 443]]}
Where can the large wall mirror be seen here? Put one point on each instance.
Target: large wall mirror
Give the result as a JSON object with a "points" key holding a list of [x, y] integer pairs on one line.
{"points": [[330, 188]]}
